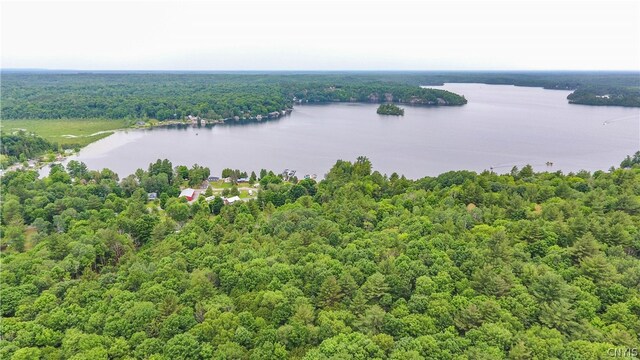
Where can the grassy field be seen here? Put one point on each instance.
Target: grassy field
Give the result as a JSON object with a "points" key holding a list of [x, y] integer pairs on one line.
{"points": [[68, 132], [226, 185]]}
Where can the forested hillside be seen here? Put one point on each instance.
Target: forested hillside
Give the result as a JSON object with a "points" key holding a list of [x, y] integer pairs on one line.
{"points": [[358, 266]]}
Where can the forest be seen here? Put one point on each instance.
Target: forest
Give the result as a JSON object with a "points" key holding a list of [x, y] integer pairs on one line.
{"points": [[164, 96], [390, 109], [606, 95], [214, 96], [22, 146], [359, 265]]}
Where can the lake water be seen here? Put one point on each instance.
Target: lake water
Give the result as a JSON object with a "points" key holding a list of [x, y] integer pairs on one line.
{"points": [[500, 127]]}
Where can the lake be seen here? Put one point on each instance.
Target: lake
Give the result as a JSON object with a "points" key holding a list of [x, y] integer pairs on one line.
{"points": [[502, 126]]}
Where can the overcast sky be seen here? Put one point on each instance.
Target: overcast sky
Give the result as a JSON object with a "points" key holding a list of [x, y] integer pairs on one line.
{"points": [[321, 35]]}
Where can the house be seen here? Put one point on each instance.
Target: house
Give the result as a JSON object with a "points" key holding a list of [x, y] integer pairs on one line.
{"points": [[213, 178], [189, 193], [243, 180], [210, 198], [231, 200], [152, 196]]}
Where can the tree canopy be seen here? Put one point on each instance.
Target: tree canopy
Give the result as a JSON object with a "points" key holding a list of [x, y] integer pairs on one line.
{"points": [[359, 265], [390, 109], [165, 96]]}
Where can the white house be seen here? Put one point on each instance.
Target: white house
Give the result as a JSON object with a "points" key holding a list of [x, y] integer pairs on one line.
{"points": [[231, 200]]}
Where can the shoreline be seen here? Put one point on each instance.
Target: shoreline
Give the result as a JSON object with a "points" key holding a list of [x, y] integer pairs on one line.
{"points": [[198, 121]]}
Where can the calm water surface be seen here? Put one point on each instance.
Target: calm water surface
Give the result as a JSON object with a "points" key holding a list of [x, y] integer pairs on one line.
{"points": [[500, 127]]}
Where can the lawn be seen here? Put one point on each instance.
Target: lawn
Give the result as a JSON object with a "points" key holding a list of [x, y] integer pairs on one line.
{"points": [[68, 132]]}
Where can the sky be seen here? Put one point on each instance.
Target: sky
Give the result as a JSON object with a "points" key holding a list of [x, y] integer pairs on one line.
{"points": [[321, 35]]}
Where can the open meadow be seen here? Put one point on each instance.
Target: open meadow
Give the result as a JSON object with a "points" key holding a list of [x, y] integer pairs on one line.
{"points": [[69, 132]]}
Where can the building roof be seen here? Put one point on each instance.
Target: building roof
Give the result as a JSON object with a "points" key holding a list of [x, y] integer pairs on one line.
{"points": [[232, 199], [188, 192]]}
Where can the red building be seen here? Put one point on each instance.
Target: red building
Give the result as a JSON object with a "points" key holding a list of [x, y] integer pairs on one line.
{"points": [[189, 193]]}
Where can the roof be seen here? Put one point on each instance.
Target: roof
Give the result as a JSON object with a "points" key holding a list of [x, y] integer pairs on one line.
{"points": [[188, 192], [232, 199]]}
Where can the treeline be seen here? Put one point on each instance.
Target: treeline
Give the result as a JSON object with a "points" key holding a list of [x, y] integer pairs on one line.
{"points": [[118, 96], [174, 96], [371, 92], [166, 96], [629, 161], [22, 146], [360, 265], [591, 87], [606, 95]]}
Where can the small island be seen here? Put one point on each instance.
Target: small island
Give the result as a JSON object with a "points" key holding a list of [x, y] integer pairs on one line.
{"points": [[390, 109]]}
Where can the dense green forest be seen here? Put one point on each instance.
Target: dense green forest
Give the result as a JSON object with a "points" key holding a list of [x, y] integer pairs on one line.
{"points": [[21, 146], [165, 96], [390, 109], [606, 95], [357, 266]]}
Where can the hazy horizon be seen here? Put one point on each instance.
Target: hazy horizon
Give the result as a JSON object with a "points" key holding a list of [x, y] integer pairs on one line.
{"points": [[311, 35]]}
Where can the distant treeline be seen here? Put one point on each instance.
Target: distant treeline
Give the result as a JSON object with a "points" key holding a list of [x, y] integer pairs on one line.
{"points": [[118, 96], [606, 95], [165, 96], [591, 88]]}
